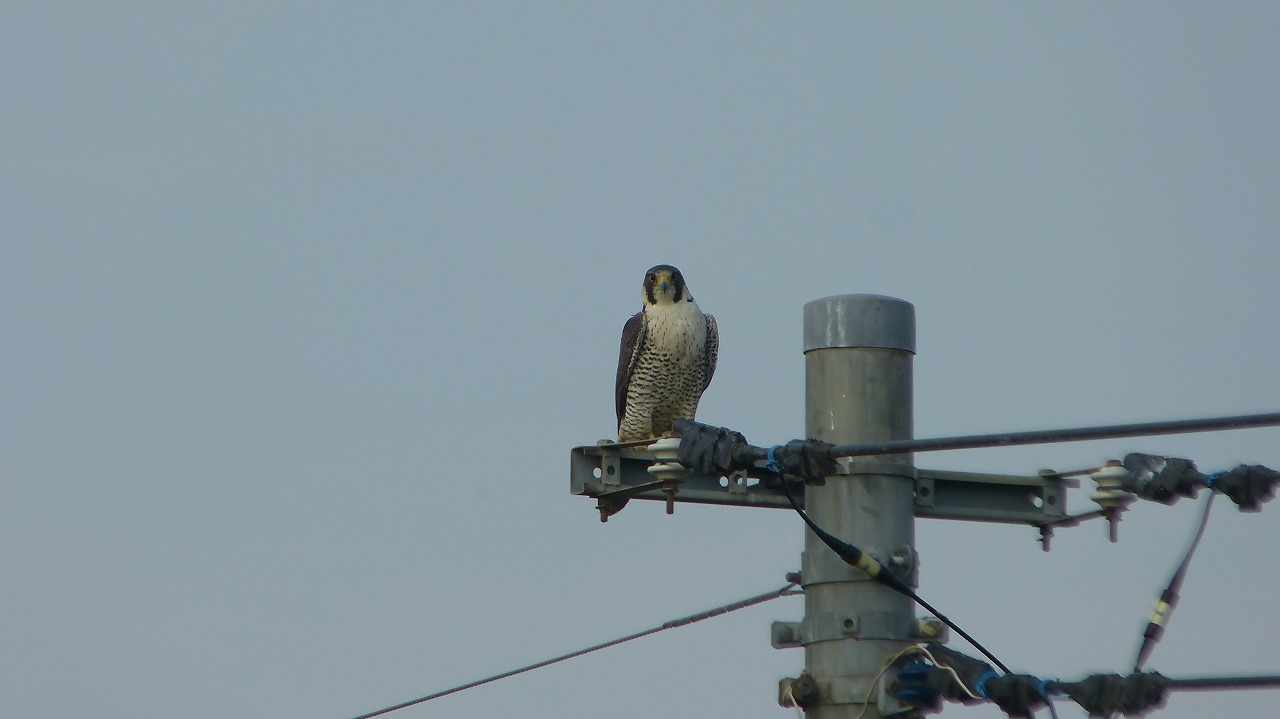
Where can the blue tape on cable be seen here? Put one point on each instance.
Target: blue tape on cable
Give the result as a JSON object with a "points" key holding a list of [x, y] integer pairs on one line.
{"points": [[772, 463], [980, 687]]}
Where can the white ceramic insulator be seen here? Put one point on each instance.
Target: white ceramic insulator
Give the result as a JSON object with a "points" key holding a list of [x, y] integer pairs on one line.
{"points": [[665, 448], [668, 470], [1109, 480]]}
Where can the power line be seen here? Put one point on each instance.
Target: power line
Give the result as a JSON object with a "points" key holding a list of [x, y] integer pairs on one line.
{"points": [[1219, 683], [711, 449], [674, 623], [1050, 436]]}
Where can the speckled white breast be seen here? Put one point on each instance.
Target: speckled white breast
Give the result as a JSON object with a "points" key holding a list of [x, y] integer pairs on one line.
{"points": [[678, 331]]}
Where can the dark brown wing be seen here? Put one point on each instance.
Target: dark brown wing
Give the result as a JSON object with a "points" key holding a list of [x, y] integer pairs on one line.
{"points": [[632, 341], [712, 351]]}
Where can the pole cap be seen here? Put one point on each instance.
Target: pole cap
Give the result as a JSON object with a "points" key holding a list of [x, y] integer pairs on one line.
{"points": [[867, 321]]}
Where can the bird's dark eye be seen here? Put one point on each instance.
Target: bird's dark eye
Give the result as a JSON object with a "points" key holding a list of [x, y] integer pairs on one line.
{"points": [[651, 277]]}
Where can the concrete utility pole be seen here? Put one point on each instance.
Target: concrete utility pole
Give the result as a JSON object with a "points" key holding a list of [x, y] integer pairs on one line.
{"points": [[858, 388]]}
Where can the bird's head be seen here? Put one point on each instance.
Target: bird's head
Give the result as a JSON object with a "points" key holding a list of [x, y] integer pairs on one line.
{"points": [[664, 285]]}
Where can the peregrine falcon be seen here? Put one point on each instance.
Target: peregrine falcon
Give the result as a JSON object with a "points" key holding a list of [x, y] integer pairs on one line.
{"points": [[668, 356]]}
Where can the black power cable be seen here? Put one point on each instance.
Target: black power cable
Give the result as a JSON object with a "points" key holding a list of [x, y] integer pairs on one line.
{"points": [[862, 561], [1211, 684], [1169, 597], [709, 448], [1049, 436]]}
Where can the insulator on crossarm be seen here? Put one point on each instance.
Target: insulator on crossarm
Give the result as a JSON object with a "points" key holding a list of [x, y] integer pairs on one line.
{"points": [[1111, 496], [668, 470]]}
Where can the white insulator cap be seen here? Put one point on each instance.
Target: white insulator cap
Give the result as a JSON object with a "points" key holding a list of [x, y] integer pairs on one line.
{"points": [[1109, 480], [665, 448], [668, 470]]}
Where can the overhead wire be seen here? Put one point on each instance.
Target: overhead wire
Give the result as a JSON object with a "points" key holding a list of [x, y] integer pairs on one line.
{"points": [[1051, 436], [740, 454], [672, 624]]}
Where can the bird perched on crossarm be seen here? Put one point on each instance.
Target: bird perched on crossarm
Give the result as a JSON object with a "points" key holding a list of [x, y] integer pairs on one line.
{"points": [[668, 356]]}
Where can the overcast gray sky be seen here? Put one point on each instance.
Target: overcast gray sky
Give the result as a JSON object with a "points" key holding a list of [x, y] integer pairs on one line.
{"points": [[304, 305]]}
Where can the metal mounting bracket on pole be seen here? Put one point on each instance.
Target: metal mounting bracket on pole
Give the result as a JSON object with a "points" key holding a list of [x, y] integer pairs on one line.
{"points": [[615, 473]]}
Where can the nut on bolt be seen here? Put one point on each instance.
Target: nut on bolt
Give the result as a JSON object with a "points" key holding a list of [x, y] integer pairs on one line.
{"points": [[799, 692]]}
